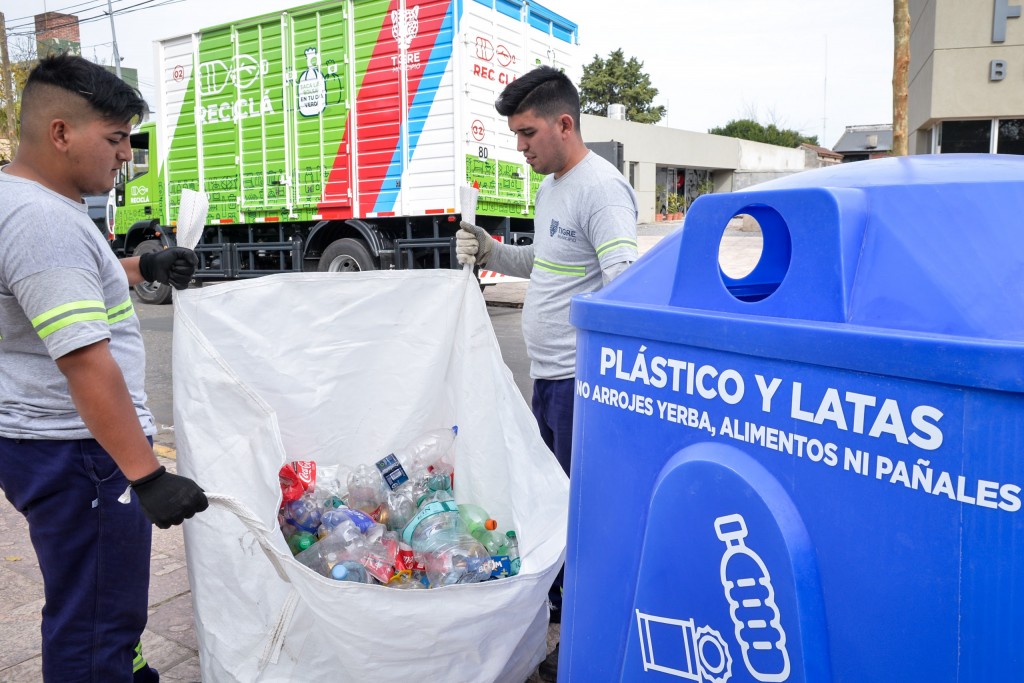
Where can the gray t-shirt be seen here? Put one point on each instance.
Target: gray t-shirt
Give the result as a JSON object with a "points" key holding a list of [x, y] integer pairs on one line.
{"points": [[585, 223], [61, 288]]}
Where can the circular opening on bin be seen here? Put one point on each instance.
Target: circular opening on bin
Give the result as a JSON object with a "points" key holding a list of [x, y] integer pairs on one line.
{"points": [[741, 246], [754, 253]]}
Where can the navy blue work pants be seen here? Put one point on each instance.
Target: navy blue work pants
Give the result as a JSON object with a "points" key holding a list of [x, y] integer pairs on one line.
{"points": [[93, 553], [552, 407]]}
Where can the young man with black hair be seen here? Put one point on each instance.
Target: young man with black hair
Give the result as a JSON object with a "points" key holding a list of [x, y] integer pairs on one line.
{"points": [[75, 433], [585, 236]]}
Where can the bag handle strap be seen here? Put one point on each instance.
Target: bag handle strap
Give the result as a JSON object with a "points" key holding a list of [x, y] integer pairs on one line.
{"points": [[275, 639], [253, 523]]}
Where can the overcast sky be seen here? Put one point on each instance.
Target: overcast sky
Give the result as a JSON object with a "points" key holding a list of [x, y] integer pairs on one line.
{"points": [[811, 65]]}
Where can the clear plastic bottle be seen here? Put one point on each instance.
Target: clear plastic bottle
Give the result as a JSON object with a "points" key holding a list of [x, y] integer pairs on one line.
{"points": [[344, 542], [413, 460], [366, 491], [350, 570], [445, 548], [400, 508], [441, 477]]}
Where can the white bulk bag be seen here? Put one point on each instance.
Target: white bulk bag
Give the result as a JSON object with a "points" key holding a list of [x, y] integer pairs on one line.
{"points": [[343, 369]]}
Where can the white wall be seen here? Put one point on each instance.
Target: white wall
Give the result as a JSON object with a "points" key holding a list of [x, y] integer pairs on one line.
{"points": [[650, 146]]}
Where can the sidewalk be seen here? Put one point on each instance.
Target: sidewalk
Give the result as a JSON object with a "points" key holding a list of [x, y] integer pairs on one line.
{"points": [[169, 642]]}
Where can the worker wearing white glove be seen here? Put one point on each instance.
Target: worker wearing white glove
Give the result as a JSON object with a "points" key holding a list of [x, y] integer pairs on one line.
{"points": [[473, 245]]}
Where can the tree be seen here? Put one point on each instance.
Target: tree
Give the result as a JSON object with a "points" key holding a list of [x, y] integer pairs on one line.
{"points": [[749, 129], [900, 74], [20, 62], [618, 81]]}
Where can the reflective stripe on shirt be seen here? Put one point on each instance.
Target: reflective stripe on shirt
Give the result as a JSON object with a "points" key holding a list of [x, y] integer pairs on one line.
{"points": [[559, 268], [615, 244], [61, 316], [120, 312]]}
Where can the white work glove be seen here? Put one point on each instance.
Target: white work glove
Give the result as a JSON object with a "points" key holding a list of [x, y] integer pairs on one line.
{"points": [[473, 244]]}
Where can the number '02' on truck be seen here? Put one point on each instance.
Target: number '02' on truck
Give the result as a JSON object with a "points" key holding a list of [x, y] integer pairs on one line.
{"points": [[335, 136]]}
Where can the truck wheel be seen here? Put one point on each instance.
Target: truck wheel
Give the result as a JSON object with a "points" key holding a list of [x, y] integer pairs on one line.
{"points": [[346, 256], [151, 292]]}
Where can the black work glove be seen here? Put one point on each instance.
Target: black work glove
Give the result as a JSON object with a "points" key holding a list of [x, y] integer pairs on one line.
{"points": [[174, 266], [168, 499]]}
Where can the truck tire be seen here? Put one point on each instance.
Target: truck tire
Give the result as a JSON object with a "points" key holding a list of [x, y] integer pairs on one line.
{"points": [[346, 256], [151, 292]]}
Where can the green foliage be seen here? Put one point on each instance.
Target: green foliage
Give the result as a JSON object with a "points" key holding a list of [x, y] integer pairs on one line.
{"points": [[749, 129], [618, 81], [19, 73]]}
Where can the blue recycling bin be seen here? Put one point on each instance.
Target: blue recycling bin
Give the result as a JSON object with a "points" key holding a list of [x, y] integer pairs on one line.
{"points": [[813, 472]]}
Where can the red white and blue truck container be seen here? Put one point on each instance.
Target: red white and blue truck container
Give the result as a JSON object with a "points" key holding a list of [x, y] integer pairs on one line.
{"points": [[336, 136]]}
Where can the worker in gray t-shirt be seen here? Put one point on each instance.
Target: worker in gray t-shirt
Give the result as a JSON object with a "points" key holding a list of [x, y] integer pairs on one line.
{"points": [[76, 457], [585, 235]]}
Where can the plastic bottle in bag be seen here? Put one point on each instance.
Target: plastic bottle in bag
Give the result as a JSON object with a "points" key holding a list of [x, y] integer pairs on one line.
{"points": [[303, 513], [441, 477], [400, 508], [445, 548], [350, 570], [415, 458], [483, 528], [343, 543], [366, 491], [512, 543], [300, 542], [332, 518]]}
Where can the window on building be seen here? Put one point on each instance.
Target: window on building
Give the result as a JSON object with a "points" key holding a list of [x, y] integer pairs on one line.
{"points": [[966, 136], [1011, 136]]}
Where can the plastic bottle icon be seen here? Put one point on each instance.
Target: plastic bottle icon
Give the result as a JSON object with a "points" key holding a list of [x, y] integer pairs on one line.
{"points": [[413, 460], [312, 86], [751, 597]]}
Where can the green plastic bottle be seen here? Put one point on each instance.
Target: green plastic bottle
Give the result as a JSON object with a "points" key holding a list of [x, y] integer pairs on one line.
{"points": [[483, 528]]}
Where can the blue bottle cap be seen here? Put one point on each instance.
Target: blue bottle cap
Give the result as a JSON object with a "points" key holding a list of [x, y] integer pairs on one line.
{"points": [[339, 572]]}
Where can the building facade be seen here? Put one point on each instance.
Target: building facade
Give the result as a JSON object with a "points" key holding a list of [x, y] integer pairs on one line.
{"points": [[966, 91], [669, 167], [865, 142]]}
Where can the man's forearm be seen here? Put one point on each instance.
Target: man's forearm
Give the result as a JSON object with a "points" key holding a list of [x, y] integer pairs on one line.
{"points": [[131, 269], [101, 397], [507, 259]]}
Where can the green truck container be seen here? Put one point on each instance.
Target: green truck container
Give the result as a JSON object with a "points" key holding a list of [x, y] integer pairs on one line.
{"points": [[335, 136]]}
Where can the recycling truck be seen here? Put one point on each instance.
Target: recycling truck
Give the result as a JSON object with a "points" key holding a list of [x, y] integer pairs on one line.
{"points": [[336, 136]]}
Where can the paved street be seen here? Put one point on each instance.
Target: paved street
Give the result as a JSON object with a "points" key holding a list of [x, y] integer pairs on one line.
{"points": [[169, 642]]}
